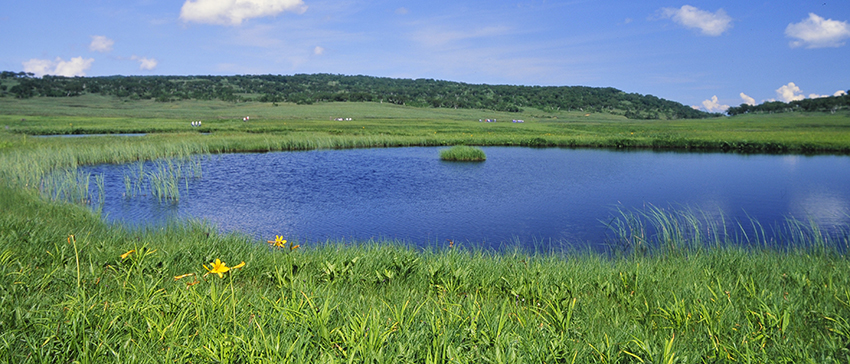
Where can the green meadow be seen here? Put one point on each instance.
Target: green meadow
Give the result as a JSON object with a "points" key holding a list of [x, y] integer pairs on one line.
{"points": [[75, 289]]}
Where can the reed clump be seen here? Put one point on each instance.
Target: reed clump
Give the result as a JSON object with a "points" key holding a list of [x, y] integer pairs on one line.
{"points": [[463, 153]]}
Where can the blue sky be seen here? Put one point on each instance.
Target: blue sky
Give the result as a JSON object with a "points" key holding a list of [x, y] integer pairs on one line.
{"points": [[700, 53]]}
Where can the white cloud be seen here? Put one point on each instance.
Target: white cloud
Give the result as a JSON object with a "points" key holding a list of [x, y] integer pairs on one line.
{"points": [[318, 51], [708, 23], [817, 32], [77, 66], [748, 100], [145, 63], [837, 93], [713, 105], [100, 43], [39, 67], [789, 92], [233, 12]]}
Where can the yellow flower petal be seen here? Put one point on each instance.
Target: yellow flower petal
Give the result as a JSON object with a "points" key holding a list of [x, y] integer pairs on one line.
{"points": [[127, 254], [183, 276]]}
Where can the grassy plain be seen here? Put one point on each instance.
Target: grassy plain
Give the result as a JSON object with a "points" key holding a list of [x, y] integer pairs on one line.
{"points": [[791, 132], [74, 289]]}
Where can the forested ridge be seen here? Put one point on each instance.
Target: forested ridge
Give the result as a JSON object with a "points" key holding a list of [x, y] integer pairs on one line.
{"points": [[311, 88], [818, 104]]}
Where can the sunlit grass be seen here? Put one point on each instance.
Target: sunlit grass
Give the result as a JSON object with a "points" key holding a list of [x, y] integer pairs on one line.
{"points": [[673, 287], [172, 294], [400, 125]]}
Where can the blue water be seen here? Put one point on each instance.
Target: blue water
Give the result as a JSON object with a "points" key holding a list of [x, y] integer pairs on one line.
{"points": [[533, 197]]}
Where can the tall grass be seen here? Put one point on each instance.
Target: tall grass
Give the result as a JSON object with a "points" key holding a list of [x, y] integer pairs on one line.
{"points": [[67, 184], [110, 294], [656, 230]]}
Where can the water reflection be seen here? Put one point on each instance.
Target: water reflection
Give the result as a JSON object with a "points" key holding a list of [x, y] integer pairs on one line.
{"points": [[543, 196]]}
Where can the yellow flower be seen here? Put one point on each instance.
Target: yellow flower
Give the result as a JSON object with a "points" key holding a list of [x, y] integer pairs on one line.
{"points": [[293, 247], [240, 265], [218, 267], [278, 242], [127, 254]]}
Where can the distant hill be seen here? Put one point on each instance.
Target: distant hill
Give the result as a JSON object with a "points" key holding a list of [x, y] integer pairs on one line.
{"points": [[819, 104], [307, 89]]}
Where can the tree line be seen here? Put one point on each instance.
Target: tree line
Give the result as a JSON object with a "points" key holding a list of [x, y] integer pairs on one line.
{"points": [[311, 88], [820, 104]]}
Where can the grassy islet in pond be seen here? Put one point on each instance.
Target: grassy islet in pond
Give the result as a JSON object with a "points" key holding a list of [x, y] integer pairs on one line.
{"points": [[463, 153]]}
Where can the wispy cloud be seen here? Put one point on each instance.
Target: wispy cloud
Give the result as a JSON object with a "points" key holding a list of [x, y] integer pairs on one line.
{"points": [[100, 43], [233, 12], [76, 66], [708, 23], [439, 36], [145, 63], [817, 32]]}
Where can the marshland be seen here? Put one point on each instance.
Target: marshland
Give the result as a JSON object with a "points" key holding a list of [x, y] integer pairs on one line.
{"points": [[672, 286]]}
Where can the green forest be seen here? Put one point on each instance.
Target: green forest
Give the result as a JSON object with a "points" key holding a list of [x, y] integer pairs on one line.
{"points": [[307, 89], [821, 104]]}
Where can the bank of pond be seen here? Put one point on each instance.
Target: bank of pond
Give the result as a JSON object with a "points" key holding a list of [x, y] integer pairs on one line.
{"points": [[393, 255], [74, 288]]}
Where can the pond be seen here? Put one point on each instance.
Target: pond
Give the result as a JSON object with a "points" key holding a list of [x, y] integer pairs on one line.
{"points": [[532, 197]]}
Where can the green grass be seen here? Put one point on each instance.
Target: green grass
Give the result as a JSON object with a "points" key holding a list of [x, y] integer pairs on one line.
{"points": [[65, 298], [692, 293], [400, 125], [463, 153]]}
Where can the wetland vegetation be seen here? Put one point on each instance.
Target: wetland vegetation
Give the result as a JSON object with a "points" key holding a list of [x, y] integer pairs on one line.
{"points": [[73, 288], [463, 153]]}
